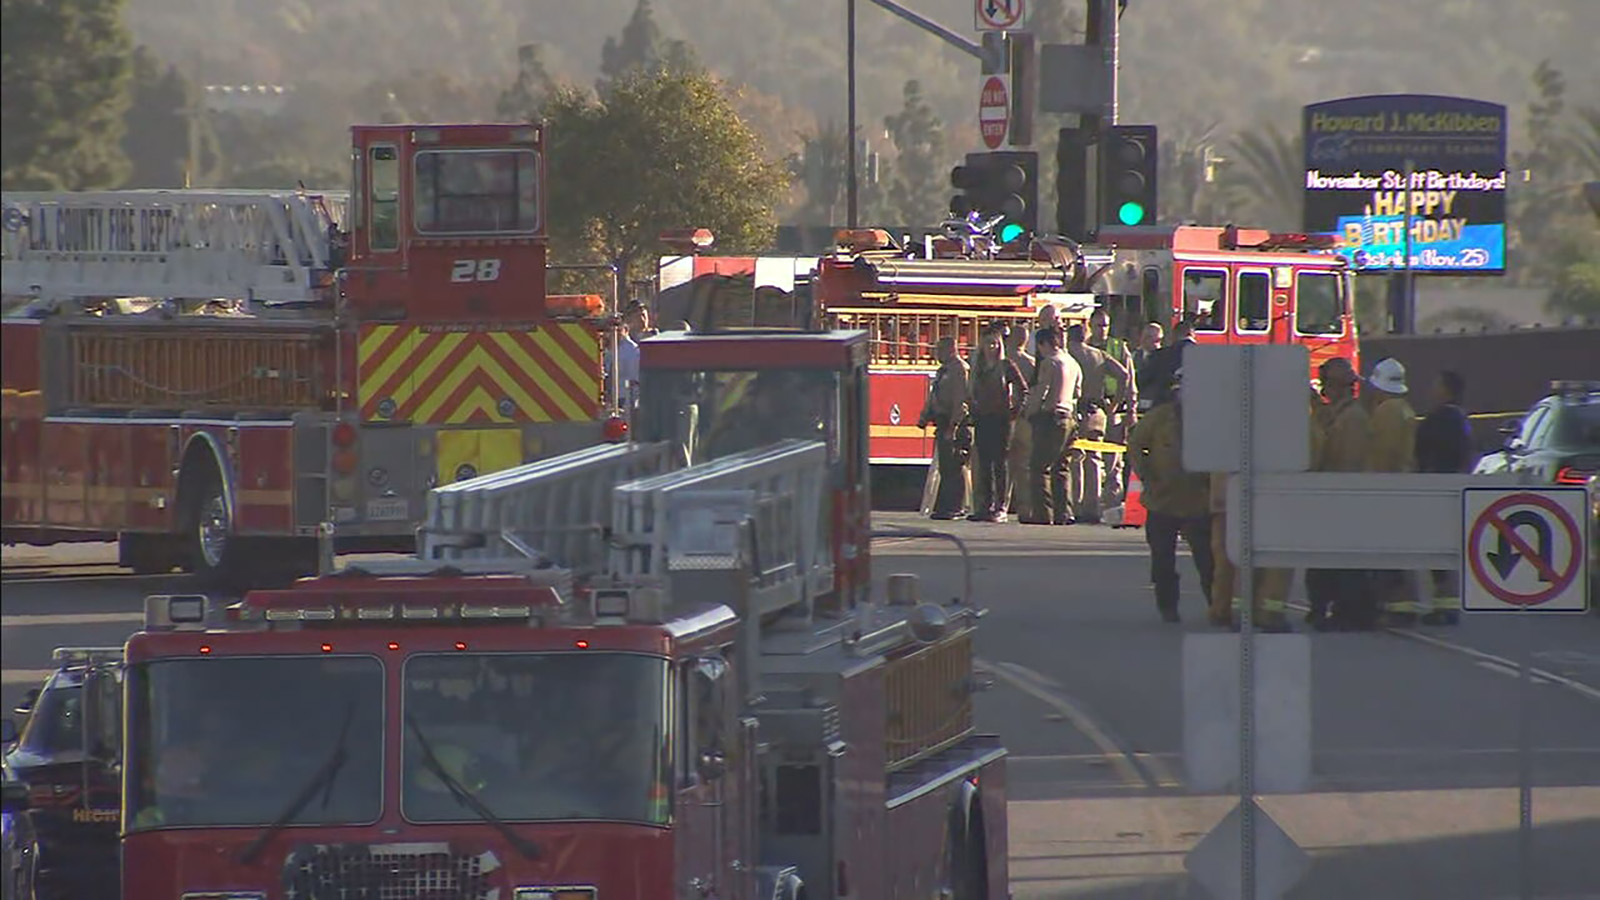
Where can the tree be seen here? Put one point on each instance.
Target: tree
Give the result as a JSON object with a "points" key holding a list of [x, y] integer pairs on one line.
{"points": [[166, 135], [1266, 178], [916, 192], [64, 67], [522, 100], [642, 46], [656, 150]]}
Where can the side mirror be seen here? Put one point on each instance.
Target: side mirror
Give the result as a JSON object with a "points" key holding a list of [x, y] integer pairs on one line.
{"points": [[711, 765], [13, 797], [29, 699], [8, 731]]}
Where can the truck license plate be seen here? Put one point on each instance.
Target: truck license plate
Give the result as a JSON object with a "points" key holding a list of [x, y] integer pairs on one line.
{"points": [[388, 509]]}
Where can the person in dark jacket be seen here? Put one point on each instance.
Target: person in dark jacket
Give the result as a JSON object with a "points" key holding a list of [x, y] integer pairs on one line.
{"points": [[1444, 444]]}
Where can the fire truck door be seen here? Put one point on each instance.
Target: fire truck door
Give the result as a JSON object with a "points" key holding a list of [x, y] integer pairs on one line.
{"points": [[1255, 316]]}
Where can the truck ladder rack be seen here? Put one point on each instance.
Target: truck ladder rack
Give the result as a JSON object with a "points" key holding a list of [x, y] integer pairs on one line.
{"points": [[266, 246]]}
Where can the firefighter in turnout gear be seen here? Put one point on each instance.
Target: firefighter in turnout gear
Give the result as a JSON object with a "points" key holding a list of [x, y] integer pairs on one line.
{"points": [[1339, 598], [947, 411], [1177, 500], [1269, 609], [1392, 449]]}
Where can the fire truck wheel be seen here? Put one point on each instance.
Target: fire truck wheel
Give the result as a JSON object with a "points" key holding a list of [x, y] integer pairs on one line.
{"points": [[969, 855], [791, 888], [208, 529]]}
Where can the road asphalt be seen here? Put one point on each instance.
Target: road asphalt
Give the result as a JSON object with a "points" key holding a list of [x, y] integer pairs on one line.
{"points": [[1415, 747]]}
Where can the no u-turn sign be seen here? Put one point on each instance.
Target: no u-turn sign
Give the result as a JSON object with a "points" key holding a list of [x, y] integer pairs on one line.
{"points": [[1524, 549]]}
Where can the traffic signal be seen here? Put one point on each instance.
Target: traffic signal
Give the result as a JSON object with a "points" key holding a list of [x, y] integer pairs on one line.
{"points": [[1072, 183], [1003, 183], [1128, 156]]}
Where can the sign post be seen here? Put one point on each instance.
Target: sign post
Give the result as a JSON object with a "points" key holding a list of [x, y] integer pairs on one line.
{"points": [[1505, 570], [994, 110]]}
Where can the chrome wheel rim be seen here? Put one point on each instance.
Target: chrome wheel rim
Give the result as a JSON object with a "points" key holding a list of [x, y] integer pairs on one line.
{"points": [[213, 531]]}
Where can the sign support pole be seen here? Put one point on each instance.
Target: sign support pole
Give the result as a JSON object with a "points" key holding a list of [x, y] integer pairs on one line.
{"points": [[1525, 760], [850, 76], [1247, 669]]}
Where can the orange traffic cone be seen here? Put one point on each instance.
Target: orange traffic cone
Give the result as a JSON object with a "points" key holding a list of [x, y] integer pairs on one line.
{"points": [[1131, 514]]}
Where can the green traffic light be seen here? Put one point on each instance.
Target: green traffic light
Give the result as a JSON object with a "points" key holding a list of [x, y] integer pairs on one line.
{"points": [[1009, 232], [1131, 213]]}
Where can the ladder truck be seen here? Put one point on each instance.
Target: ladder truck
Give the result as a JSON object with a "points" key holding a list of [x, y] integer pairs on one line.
{"points": [[208, 376], [644, 670]]}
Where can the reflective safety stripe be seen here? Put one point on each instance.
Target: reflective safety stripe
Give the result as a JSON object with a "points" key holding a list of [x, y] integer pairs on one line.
{"points": [[1402, 607], [1265, 605], [1446, 604]]}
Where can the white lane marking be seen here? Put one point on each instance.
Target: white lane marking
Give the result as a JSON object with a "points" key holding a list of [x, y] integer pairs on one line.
{"points": [[25, 620], [32, 677], [1592, 693], [1029, 682], [1509, 671]]}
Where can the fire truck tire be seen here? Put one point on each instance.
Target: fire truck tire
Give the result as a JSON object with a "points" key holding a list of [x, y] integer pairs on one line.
{"points": [[791, 888], [969, 854], [207, 528]]}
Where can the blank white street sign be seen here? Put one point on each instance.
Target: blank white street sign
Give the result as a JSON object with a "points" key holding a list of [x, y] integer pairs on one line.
{"points": [[1213, 413], [1524, 548]]}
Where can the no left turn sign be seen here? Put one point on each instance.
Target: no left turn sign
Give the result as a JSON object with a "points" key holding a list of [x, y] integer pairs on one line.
{"points": [[1524, 549]]}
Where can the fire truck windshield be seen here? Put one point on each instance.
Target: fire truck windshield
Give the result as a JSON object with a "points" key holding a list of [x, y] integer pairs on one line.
{"points": [[477, 192], [715, 414], [219, 741], [538, 736]]}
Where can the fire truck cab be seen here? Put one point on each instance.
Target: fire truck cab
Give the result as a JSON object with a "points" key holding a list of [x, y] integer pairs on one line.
{"points": [[647, 670]]}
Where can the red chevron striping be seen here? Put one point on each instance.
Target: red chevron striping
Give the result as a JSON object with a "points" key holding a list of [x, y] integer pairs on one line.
{"points": [[404, 371], [514, 370], [375, 361], [558, 376], [575, 350], [429, 383]]}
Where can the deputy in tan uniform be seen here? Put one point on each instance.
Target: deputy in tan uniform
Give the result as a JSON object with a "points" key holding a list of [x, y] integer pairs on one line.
{"points": [[1054, 393], [1021, 502], [1392, 449], [1340, 599], [947, 410], [1084, 466]]}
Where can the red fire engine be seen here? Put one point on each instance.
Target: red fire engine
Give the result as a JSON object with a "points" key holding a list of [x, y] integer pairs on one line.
{"points": [[305, 357], [633, 671], [1235, 285]]}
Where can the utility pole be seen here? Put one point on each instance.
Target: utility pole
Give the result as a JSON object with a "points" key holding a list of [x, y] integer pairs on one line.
{"points": [[1101, 30], [850, 77]]}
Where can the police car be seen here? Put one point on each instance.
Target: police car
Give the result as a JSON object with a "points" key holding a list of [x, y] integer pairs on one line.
{"points": [[1558, 440], [62, 797]]}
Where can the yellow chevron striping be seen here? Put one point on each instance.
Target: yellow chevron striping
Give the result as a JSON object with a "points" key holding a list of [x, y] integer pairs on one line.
{"points": [[389, 364], [581, 375], [427, 410], [553, 390]]}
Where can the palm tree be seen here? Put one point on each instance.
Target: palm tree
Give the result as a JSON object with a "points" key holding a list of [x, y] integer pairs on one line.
{"points": [[1188, 165], [1266, 179]]}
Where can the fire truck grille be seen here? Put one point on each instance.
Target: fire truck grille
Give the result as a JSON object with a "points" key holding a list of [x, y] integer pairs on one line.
{"points": [[388, 872]]}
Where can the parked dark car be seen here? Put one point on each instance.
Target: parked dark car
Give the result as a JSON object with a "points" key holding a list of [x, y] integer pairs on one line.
{"points": [[63, 806], [1558, 440]]}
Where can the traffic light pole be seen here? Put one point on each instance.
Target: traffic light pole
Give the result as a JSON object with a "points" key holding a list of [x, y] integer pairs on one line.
{"points": [[850, 155], [1101, 29]]}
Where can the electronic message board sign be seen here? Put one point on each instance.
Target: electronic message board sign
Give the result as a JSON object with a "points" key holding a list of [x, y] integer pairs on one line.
{"points": [[1381, 166]]}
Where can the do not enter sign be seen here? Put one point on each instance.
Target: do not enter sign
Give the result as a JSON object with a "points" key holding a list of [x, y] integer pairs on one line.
{"points": [[994, 111], [1524, 549]]}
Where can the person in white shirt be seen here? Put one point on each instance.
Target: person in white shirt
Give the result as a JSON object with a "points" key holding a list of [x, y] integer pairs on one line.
{"points": [[625, 368]]}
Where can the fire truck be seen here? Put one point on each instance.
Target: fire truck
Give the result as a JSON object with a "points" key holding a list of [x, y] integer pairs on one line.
{"points": [[644, 670], [1235, 285], [207, 376]]}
